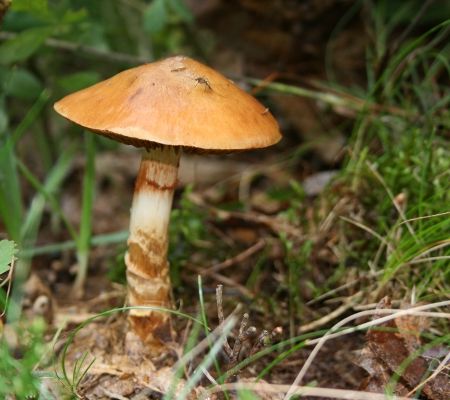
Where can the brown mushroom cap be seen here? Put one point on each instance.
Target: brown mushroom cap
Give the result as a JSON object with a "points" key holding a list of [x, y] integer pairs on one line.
{"points": [[176, 101]]}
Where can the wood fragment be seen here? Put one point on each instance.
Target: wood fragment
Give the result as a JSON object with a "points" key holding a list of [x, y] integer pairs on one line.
{"points": [[224, 280], [259, 245], [347, 305], [64, 45], [275, 224]]}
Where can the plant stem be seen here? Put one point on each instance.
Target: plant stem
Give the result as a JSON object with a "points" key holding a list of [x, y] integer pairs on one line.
{"points": [[146, 259]]}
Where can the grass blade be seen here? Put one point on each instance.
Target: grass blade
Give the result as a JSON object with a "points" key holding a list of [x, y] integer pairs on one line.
{"points": [[51, 199], [11, 207], [98, 240], [53, 182], [31, 116], [207, 361], [84, 238], [30, 227]]}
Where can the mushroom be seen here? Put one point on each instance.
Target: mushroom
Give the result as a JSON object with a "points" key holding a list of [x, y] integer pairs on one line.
{"points": [[165, 107]]}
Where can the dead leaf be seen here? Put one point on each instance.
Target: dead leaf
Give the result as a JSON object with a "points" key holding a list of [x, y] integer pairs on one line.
{"points": [[390, 348]]}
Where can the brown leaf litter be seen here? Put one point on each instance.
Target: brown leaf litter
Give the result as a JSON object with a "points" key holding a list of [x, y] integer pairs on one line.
{"points": [[122, 368], [395, 347]]}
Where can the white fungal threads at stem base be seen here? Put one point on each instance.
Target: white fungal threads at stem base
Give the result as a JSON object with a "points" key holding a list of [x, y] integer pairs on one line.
{"points": [[146, 259]]}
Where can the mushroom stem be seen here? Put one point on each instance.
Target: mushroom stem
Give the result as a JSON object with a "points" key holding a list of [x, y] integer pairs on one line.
{"points": [[146, 260]]}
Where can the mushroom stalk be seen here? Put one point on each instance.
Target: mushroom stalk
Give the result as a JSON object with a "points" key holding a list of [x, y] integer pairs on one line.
{"points": [[146, 260]]}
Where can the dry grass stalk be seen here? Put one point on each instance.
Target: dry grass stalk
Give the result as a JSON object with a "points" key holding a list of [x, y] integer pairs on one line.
{"points": [[395, 313]]}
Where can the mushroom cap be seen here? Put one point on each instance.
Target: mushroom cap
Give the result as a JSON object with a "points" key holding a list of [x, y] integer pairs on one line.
{"points": [[176, 101]]}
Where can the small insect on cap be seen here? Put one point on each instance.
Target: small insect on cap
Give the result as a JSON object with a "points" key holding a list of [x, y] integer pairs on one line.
{"points": [[176, 101]]}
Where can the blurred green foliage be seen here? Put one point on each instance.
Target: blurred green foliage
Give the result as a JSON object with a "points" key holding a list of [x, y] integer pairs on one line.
{"points": [[8, 251], [47, 50], [187, 229], [70, 44], [17, 375]]}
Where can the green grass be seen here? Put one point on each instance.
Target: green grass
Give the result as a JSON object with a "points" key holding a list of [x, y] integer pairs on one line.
{"points": [[83, 240], [409, 156], [398, 148], [17, 374], [187, 229]]}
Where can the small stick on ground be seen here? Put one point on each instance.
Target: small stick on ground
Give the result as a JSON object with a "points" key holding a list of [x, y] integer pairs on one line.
{"points": [[347, 305], [64, 45], [224, 279], [259, 245], [275, 224]]}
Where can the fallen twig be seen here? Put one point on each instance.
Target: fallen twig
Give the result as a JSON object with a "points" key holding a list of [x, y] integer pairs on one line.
{"points": [[223, 279], [301, 390], [343, 287], [77, 48], [260, 244], [273, 223], [348, 304]]}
